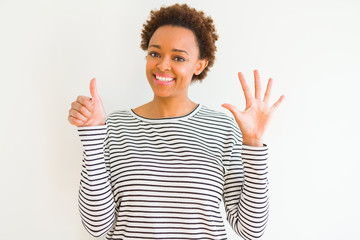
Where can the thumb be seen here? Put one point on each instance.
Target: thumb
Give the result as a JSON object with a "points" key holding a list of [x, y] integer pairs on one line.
{"points": [[232, 109], [93, 89]]}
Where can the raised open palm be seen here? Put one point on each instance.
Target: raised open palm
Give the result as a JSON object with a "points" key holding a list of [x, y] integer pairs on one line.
{"points": [[254, 120]]}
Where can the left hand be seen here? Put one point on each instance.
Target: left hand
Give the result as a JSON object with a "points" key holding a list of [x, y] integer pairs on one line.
{"points": [[254, 120]]}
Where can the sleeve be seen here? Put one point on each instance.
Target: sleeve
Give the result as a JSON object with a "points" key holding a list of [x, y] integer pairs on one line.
{"points": [[96, 200], [246, 190]]}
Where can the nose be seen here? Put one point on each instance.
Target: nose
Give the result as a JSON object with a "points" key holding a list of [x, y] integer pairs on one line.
{"points": [[164, 64]]}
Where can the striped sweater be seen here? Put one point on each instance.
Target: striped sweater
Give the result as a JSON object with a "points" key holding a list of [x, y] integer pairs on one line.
{"points": [[165, 178]]}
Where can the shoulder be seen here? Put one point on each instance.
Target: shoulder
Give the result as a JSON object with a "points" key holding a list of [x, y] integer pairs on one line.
{"points": [[119, 117], [220, 120], [216, 116], [118, 114]]}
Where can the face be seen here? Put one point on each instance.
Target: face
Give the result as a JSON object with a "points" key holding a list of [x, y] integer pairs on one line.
{"points": [[172, 59]]}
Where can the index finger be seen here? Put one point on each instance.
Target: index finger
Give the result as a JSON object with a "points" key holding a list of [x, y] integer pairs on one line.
{"points": [[245, 88], [85, 101]]}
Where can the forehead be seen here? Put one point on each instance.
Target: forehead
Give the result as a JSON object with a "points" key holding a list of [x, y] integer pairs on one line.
{"points": [[170, 37]]}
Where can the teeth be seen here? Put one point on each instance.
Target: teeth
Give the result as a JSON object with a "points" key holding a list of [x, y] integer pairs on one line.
{"points": [[164, 79]]}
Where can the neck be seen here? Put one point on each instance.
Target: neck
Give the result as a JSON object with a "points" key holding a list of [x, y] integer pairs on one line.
{"points": [[171, 107]]}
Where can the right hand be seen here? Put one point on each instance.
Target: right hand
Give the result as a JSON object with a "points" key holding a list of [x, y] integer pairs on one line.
{"points": [[87, 111]]}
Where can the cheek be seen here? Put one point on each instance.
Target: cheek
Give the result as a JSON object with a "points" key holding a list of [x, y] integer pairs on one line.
{"points": [[151, 62], [150, 66], [187, 70]]}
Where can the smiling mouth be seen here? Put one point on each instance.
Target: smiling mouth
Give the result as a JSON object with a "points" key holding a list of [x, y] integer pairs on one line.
{"points": [[163, 79]]}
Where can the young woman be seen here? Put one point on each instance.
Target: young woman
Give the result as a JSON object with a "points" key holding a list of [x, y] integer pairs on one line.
{"points": [[159, 171]]}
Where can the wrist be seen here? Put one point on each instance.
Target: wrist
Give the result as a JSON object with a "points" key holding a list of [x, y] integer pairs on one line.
{"points": [[253, 142]]}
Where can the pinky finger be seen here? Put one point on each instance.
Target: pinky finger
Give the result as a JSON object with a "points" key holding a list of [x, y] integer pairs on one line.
{"points": [[76, 122], [278, 102]]}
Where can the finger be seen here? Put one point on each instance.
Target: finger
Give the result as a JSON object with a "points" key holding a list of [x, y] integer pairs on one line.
{"points": [[75, 122], [82, 109], [268, 91], [77, 115], [232, 109], [85, 101], [246, 90], [257, 84], [277, 104], [93, 89]]}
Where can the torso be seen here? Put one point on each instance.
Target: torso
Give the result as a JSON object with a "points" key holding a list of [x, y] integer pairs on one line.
{"points": [[167, 174]]}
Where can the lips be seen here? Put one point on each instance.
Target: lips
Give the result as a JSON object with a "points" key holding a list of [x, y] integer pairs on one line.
{"points": [[163, 79]]}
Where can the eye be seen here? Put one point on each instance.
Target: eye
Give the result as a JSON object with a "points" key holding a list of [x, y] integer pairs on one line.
{"points": [[179, 59], [153, 54]]}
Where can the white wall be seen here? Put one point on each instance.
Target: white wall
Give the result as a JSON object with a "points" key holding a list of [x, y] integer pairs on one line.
{"points": [[49, 51]]}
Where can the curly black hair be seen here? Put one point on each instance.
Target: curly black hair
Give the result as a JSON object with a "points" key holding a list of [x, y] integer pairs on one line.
{"points": [[183, 16]]}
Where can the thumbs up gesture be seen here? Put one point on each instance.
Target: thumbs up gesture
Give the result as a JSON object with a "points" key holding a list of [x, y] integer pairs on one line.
{"points": [[86, 111]]}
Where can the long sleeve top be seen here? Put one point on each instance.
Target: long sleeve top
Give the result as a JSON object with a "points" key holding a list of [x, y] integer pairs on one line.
{"points": [[166, 178]]}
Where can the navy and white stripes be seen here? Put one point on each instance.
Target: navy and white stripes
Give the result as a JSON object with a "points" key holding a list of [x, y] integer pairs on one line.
{"points": [[165, 178]]}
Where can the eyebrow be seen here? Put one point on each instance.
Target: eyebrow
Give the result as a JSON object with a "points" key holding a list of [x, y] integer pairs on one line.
{"points": [[173, 50]]}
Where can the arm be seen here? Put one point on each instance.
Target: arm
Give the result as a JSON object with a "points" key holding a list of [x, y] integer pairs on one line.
{"points": [[246, 191], [246, 184], [96, 201]]}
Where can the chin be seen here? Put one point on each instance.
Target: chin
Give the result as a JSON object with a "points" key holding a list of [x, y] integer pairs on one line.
{"points": [[162, 94]]}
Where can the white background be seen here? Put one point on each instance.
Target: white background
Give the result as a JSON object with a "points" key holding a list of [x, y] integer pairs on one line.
{"points": [[49, 51]]}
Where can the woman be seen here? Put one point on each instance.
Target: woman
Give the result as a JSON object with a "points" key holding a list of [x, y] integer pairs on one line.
{"points": [[159, 171]]}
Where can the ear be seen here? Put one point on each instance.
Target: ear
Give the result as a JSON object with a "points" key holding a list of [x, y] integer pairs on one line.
{"points": [[200, 66]]}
